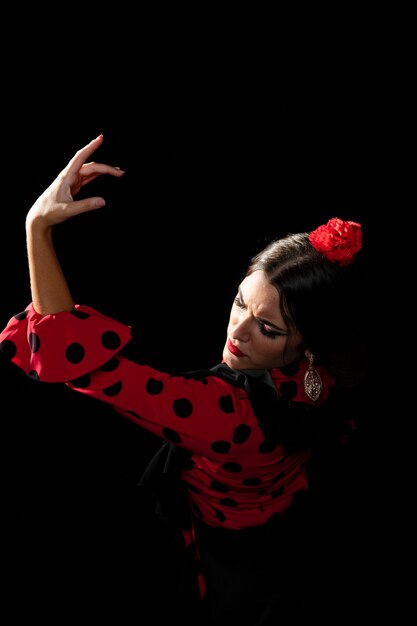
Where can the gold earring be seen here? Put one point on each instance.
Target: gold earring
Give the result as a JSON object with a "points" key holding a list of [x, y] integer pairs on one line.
{"points": [[313, 385]]}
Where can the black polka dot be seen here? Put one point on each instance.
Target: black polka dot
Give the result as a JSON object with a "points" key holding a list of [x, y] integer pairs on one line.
{"points": [[171, 435], [242, 433], [251, 482], [34, 342], [82, 381], [267, 447], [34, 375], [220, 515], [8, 348], [153, 386], [218, 486], [111, 365], [110, 340], [221, 447], [113, 390], [288, 389], [226, 404], [229, 502], [82, 315], [75, 353], [21, 316], [231, 466], [291, 369], [182, 407]]}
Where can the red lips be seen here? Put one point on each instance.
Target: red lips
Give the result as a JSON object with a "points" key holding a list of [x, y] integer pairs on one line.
{"points": [[234, 350]]}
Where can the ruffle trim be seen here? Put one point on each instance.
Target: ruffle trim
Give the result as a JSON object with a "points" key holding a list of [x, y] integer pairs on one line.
{"points": [[62, 346]]}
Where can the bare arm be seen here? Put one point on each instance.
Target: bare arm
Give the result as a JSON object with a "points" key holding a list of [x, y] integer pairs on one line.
{"points": [[50, 291]]}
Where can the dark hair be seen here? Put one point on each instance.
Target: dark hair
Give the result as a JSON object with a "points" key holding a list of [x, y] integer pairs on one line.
{"points": [[322, 300]]}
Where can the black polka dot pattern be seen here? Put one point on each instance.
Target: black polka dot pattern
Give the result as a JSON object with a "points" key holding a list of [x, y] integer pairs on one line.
{"points": [[21, 316], [226, 404], [113, 390], [34, 342], [75, 353], [182, 408], [229, 502], [111, 365], [251, 482], [154, 387], [110, 340], [233, 452], [232, 466], [241, 434], [218, 486], [82, 315], [221, 447], [82, 382], [8, 349], [220, 515]]}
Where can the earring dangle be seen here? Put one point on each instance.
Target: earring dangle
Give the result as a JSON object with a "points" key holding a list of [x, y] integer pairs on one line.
{"points": [[312, 383]]}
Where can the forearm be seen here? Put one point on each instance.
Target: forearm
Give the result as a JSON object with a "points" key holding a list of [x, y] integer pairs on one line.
{"points": [[50, 291], [49, 288]]}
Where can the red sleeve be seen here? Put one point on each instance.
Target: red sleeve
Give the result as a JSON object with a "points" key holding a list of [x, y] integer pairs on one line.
{"points": [[52, 348], [82, 349]]}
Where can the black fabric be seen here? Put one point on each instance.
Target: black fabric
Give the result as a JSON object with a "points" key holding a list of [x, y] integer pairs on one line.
{"points": [[259, 576], [255, 576]]}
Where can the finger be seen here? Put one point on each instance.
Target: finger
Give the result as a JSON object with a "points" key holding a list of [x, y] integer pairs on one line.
{"points": [[83, 206], [97, 169], [83, 154]]}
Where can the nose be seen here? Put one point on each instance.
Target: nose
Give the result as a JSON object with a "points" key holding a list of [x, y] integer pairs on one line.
{"points": [[241, 330]]}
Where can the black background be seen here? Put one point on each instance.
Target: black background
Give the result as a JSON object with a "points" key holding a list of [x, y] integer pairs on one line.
{"points": [[211, 176]]}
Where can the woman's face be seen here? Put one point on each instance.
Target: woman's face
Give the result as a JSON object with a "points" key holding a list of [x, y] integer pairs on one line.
{"points": [[257, 336]]}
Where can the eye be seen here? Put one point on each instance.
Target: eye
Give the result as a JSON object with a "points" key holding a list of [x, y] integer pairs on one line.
{"points": [[272, 334], [239, 302]]}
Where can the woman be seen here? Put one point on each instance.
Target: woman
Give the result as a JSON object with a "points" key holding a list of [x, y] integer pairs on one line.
{"points": [[239, 439]]}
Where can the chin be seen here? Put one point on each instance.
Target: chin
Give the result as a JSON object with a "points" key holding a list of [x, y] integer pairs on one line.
{"points": [[229, 361]]}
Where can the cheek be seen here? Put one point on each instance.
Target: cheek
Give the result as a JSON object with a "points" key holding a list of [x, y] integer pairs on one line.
{"points": [[268, 349], [233, 319]]}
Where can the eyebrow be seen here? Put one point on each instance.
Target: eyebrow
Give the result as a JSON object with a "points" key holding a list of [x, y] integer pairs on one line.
{"points": [[263, 320]]}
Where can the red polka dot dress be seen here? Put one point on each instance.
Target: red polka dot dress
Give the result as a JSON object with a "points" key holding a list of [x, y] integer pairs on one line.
{"points": [[237, 475]]}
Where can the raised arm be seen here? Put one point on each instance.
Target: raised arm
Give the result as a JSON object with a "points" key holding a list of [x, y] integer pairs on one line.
{"points": [[50, 291]]}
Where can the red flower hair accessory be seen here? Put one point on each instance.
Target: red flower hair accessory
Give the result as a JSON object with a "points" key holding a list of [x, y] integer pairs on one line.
{"points": [[338, 241]]}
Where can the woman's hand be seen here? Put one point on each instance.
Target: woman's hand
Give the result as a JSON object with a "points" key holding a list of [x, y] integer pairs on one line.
{"points": [[50, 291], [57, 204]]}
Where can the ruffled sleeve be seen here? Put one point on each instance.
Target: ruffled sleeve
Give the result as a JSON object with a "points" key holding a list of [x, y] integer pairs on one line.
{"points": [[62, 346]]}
